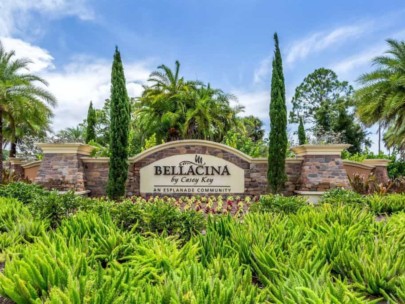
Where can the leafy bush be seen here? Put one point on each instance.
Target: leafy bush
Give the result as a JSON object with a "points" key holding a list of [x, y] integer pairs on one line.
{"points": [[386, 204], [54, 206], [340, 195], [17, 226], [369, 185], [25, 193], [279, 203], [331, 253], [157, 217]]}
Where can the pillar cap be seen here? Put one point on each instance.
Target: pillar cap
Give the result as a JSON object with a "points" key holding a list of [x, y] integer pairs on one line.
{"points": [[377, 162], [329, 149], [15, 161], [67, 148]]}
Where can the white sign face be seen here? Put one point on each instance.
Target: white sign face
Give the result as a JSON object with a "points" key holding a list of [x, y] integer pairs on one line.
{"points": [[192, 173]]}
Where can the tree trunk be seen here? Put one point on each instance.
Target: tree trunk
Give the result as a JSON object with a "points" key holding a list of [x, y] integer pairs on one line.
{"points": [[13, 139], [1, 146], [13, 149], [379, 137]]}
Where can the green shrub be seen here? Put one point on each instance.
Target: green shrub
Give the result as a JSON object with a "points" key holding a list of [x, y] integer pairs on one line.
{"points": [[386, 204], [340, 195], [54, 206], [157, 217], [25, 193], [17, 226], [331, 253], [279, 203]]}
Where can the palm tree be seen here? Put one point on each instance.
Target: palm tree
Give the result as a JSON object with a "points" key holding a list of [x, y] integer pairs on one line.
{"points": [[209, 115], [72, 135], [174, 108], [163, 104], [28, 118], [17, 91], [382, 98]]}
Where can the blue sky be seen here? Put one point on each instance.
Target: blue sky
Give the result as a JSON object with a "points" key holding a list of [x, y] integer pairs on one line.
{"points": [[228, 43]]}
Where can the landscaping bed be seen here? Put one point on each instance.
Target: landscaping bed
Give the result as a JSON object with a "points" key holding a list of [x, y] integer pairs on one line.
{"points": [[69, 249]]}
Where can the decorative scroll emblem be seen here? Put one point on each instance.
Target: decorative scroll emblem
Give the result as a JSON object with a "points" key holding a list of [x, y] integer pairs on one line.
{"points": [[198, 161], [190, 173]]}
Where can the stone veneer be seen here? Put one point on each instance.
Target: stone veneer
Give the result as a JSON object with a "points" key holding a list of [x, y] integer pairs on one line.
{"points": [[16, 167], [316, 168], [255, 169], [322, 167], [62, 167], [96, 173], [380, 168]]}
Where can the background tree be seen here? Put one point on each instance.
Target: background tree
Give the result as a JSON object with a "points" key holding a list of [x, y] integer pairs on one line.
{"points": [[323, 101], [91, 124], [301, 133], [101, 126], [315, 98], [253, 127], [381, 99], [72, 135], [173, 108], [162, 107], [19, 90], [242, 142], [350, 131], [278, 125], [119, 126], [28, 119]]}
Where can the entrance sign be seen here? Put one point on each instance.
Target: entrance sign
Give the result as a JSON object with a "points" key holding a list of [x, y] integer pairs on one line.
{"points": [[192, 173]]}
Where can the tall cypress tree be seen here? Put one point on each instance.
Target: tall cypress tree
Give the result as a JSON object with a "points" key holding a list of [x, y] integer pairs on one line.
{"points": [[119, 130], [91, 124], [276, 175], [301, 133]]}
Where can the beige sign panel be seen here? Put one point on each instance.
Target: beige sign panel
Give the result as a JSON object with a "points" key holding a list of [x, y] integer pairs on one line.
{"points": [[192, 173]]}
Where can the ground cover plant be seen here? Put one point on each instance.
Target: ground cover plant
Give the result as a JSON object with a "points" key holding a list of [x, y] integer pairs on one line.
{"points": [[153, 250]]}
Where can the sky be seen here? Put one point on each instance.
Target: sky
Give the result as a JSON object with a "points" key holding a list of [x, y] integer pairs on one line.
{"points": [[227, 43]]}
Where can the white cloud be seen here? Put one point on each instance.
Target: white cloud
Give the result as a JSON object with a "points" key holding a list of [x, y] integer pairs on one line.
{"points": [[312, 44], [322, 40], [75, 84], [255, 102], [345, 67], [86, 80], [40, 58], [15, 15], [263, 70], [363, 60]]}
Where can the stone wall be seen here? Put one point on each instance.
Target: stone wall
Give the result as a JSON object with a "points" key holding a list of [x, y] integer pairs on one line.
{"points": [[62, 167], [96, 175], [133, 184], [316, 168], [15, 165], [31, 170], [322, 168], [321, 173], [379, 168], [62, 171], [352, 168]]}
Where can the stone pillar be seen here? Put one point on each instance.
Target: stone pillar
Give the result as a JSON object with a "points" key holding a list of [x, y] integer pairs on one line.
{"points": [[322, 167], [62, 168], [16, 167], [293, 169], [380, 168]]}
